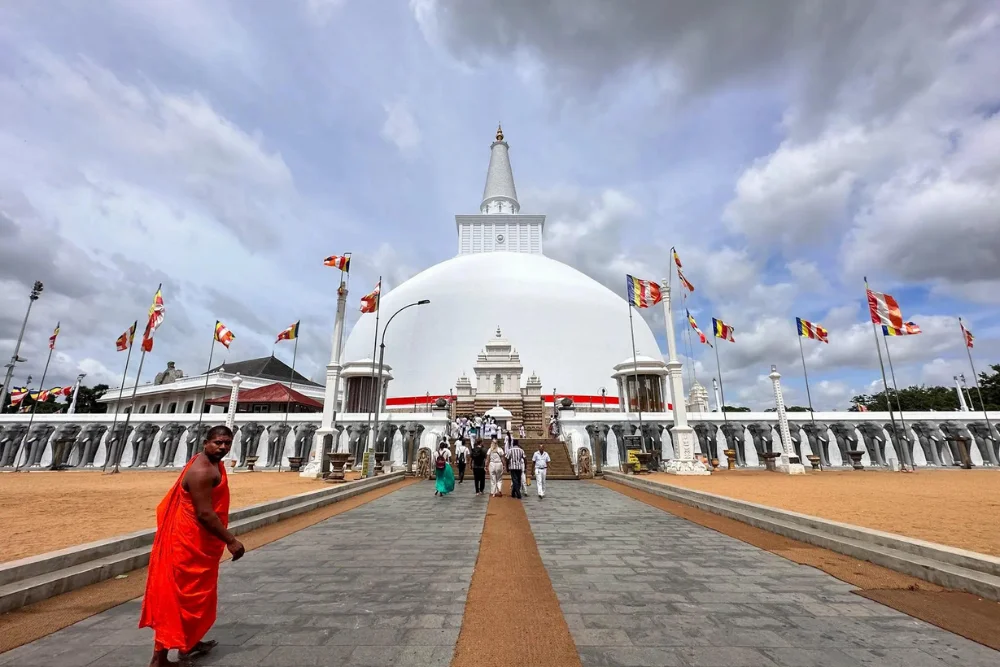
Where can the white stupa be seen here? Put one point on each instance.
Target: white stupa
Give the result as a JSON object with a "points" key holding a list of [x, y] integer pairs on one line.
{"points": [[568, 330]]}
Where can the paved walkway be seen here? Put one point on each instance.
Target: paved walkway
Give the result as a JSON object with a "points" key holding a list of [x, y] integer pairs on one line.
{"points": [[639, 586], [382, 584]]}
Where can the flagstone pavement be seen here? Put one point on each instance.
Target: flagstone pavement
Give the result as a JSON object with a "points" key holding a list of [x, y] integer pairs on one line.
{"points": [[385, 584]]}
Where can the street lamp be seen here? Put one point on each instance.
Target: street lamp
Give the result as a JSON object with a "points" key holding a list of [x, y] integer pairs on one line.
{"points": [[76, 391], [378, 387], [36, 291]]}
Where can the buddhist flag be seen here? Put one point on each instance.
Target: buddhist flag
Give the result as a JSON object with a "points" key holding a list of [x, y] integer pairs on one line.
{"points": [[884, 309], [908, 329], [694, 325], [684, 281], [66, 391], [17, 395], [642, 293], [291, 333], [967, 335], [369, 302], [677, 258], [156, 312], [52, 338], [44, 395], [342, 262], [722, 330], [224, 335], [124, 341], [813, 331]]}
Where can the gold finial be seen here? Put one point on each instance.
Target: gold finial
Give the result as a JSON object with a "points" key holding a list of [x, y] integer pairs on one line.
{"points": [[499, 132]]}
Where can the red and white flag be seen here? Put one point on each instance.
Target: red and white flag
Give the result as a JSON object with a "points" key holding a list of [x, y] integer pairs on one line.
{"points": [[369, 302], [223, 334], [342, 262], [156, 312], [967, 335], [884, 309], [52, 338]]}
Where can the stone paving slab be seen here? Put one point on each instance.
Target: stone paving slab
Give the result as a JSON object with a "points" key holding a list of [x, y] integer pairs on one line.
{"points": [[382, 584], [639, 586]]}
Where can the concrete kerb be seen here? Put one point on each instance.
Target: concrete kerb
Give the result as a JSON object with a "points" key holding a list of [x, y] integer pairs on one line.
{"points": [[30, 580], [958, 569]]}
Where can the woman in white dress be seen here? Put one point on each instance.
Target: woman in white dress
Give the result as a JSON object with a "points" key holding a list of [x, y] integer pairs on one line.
{"points": [[494, 459]]}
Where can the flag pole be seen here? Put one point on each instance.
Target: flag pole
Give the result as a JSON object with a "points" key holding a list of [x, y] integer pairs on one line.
{"points": [[204, 392], [288, 404], [878, 348], [121, 390], [806, 373], [372, 406], [895, 388], [638, 389], [135, 387], [692, 376], [975, 379], [722, 389], [34, 406]]}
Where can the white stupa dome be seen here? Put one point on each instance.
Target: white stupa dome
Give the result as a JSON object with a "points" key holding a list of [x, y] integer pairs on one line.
{"points": [[566, 328]]}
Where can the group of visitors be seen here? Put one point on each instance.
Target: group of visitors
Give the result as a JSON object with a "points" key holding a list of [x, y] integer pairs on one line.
{"points": [[471, 428], [497, 459]]}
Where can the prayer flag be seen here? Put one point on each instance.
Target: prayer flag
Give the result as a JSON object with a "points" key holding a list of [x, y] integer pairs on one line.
{"points": [[224, 335], [677, 258], [124, 341], [370, 301], [694, 325], [684, 281], [642, 293], [884, 309], [813, 331], [342, 262], [722, 330], [66, 391], [291, 333], [969, 338], [908, 329], [156, 312], [17, 395], [52, 338]]}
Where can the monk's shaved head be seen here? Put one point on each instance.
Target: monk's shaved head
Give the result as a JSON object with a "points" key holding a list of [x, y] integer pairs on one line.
{"points": [[216, 431]]}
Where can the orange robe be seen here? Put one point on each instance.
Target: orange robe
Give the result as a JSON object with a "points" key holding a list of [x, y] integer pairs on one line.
{"points": [[182, 586]]}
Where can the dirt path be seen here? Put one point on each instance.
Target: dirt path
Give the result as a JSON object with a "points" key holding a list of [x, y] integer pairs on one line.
{"points": [[512, 615], [43, 618], [961, 613]]}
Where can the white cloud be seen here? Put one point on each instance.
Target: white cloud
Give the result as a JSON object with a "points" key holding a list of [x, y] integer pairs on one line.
{"points": [[400, 127]]}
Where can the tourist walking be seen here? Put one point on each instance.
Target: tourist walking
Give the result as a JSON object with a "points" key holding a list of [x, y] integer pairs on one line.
{"points": [[444, 478], [495, 460], [541, 460], [479, 468], [182, 585], [521, 432], [461, 458], [515, 464]]}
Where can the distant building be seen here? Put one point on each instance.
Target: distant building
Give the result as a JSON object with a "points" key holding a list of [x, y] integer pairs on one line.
{"points": [[173, 392], [275, 397]]}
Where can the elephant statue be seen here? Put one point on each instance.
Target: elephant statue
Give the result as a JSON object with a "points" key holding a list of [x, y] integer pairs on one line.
{"points": [[277, 436], [931, 441], [621, 430], [735, 439], [36, 442], [10, 443], [249, 441], [707, 440], [818, 435], [304, 435], [386, 432], [142, 444], [902, 442], [795, 433], [874, 438], [599, 443], [89, 441], [653, 436], [63, 444], [987, 440], [952, 431], [409, 430], [847, 440], [116, 441], [170, 439], [194, 440], [358, 440], [762, 439]]}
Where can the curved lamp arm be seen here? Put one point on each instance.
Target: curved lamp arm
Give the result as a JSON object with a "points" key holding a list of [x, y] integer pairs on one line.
{"points": [[410, 305]]}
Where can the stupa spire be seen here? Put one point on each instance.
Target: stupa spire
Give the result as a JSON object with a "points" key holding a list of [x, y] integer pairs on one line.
{"points": [[499, 195]]}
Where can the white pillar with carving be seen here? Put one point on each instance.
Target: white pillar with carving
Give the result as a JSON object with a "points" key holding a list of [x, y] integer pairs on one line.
{"points": [[683, 435], [961, 396], [234, 397], [787, 448], [314, 468]]}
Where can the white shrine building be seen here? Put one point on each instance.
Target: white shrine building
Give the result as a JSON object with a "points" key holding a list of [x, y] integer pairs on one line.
{"points": [[501, 291]]}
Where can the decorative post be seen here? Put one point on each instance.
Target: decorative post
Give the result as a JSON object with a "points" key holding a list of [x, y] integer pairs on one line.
{"points": [[76, 390], [234, 396], [315, 467], [961, 396], [789, 461], [683, 435]]}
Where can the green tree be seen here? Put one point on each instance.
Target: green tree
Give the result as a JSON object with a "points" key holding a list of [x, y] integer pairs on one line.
{"points": [[989, 384], [734, 408], [86, 402]]}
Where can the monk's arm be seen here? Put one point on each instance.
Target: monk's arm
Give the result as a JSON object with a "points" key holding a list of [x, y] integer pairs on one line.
{"points": [[199, 483]]}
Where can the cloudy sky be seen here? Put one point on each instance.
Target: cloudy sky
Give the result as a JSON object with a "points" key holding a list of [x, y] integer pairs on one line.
{"points": [[787, 148]]}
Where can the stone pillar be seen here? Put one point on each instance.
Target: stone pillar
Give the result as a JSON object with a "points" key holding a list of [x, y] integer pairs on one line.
{"points": [[683, 435], [961, 396], [234, 396], [787, 448], [317, 462]]}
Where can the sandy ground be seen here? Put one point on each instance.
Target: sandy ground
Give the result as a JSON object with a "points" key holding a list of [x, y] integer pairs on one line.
{"points": [[45, 511], [958, 508]]}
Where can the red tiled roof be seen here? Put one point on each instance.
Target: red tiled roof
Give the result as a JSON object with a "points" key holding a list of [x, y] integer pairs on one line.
{"points": [[272, 393]]}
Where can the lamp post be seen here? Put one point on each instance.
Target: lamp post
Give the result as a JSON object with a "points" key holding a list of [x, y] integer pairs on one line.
{"points": [[76, 390], [36, 291], [604, 405], [789, 461], [378, 387]]}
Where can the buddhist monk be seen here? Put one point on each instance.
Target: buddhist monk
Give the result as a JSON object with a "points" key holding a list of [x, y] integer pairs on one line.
{"points": [[182, 587]]}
